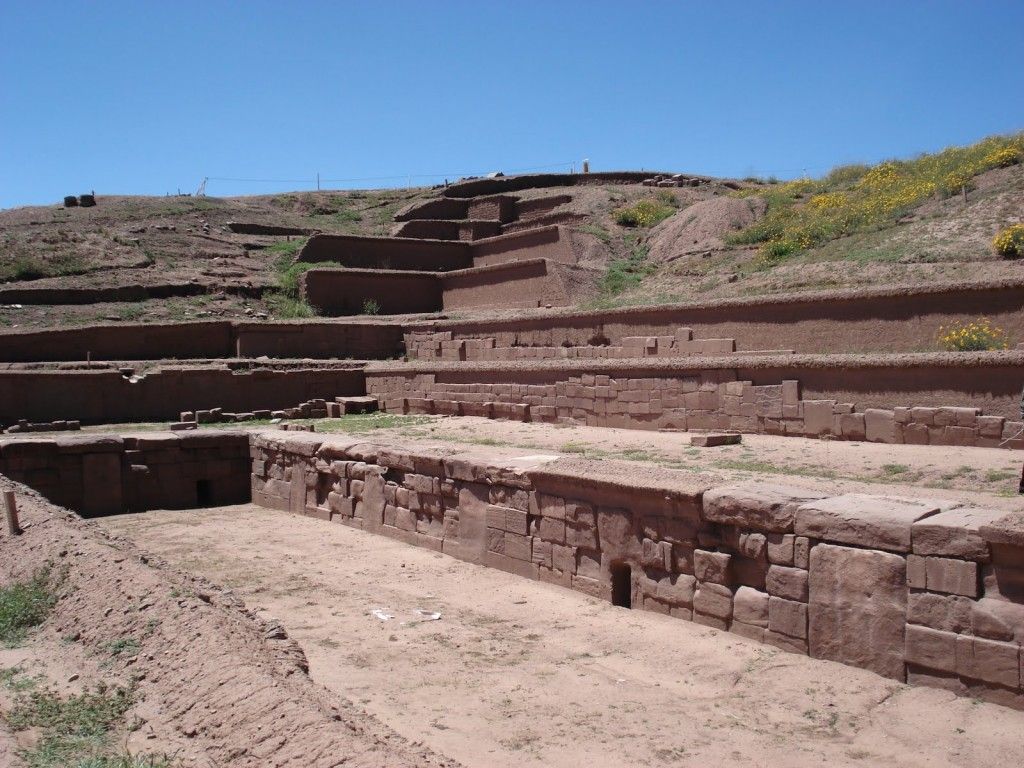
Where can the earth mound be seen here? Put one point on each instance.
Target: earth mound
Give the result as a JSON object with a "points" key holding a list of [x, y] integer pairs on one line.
{"points": [[703, 226]]}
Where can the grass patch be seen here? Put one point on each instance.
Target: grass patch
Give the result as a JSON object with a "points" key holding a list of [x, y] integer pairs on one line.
{"points": [[626, 273], [600, 233], [806, 213], [127, 646], [359, 423], [31, 268], [894, 469], [24, 605], [75, 732], [998, 475], [287, 308]]}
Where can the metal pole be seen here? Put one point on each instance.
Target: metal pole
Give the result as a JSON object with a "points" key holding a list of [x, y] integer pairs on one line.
{"points": [[11, 504]]}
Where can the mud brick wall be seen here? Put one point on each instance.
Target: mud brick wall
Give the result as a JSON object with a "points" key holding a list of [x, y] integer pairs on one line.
{"points": [[345, 291], [102, 475], [722, 399], [105, 396], [544, 242], [358, 341], [900, 320], [530, 283], [204, 340], [359, 252], [114, 342], [912, 589]]}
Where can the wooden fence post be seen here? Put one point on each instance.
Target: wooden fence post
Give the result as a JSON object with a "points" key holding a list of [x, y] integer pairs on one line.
{"points": [[11, 506]]}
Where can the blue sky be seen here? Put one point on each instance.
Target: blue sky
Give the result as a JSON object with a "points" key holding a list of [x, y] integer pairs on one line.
{"points": [[146, 98]]}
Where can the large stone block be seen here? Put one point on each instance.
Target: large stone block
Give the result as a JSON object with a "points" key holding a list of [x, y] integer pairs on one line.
{"points": [[757, 506], [954, 533], [790, 583], [712, 566], [750, 607], [857, 608], [881, 522]]}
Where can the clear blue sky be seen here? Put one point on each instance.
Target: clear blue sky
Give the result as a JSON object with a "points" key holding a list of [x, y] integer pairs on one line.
{"points": [[147, 97]]}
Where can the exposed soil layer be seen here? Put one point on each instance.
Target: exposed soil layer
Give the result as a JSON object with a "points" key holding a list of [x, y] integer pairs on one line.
{"points": [[215, 684], [520, 673]]}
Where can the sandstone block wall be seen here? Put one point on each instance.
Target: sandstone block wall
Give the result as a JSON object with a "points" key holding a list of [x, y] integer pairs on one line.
{"points": [[108, 397], [716, 398], [912, 589], [897, 320], [103, 475]]}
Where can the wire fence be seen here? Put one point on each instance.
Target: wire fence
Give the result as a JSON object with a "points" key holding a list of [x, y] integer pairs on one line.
{"points": [[318, 181]]}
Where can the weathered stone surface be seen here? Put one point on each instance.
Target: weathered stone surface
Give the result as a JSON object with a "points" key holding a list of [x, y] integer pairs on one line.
{"points": [[956, 577], [996, 619], [988, 660], [712, 566], [955, 533], [931, 648], [790, 583], [750, 606], [857, 608], [1008, 529], [949, 613], [881, 522], [713, 600], [757, 506], [787, 617], [780, 548]]}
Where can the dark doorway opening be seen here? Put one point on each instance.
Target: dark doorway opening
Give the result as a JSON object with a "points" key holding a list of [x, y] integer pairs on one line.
{"points": [[622, 585], [204, 494]]}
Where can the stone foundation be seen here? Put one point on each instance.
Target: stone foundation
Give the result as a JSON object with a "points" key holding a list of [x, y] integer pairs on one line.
{"points": [[914, 589]]}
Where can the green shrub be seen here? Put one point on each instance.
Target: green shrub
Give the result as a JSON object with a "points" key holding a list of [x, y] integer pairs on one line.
{"points": [[645, 213], [24, 605], [371, 307]]}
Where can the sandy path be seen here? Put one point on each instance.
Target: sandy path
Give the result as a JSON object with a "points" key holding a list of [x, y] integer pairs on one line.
{"points": [[519, 673]]}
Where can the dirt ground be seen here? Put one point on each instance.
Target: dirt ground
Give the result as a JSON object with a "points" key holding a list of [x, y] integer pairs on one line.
{"points": [[520, 673]]}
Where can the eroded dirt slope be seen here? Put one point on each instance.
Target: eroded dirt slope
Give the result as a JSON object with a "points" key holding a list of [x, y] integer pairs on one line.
{"points": [[214, 684]]}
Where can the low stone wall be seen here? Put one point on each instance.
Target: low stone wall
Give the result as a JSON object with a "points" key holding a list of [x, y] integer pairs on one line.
{"points": [[360, 252], [204, 340], [108, 397], [925, 399], [341, 291], [542, 242], [441, 346], [889, 320], [913, 589], [530, 283], [105, 475]]}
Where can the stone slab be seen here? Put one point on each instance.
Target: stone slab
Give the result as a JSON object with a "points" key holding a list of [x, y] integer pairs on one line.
{"points": [[880, 522]]}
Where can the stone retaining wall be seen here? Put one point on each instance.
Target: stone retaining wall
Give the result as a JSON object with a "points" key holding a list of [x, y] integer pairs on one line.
{"points": [[887, 320], [914, 589], [106, 474], [108, 397], [922, 406]]}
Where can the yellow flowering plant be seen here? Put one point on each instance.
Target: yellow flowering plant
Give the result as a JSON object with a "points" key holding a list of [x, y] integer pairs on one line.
{"points": [[974, 336], [1009, 243]]}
